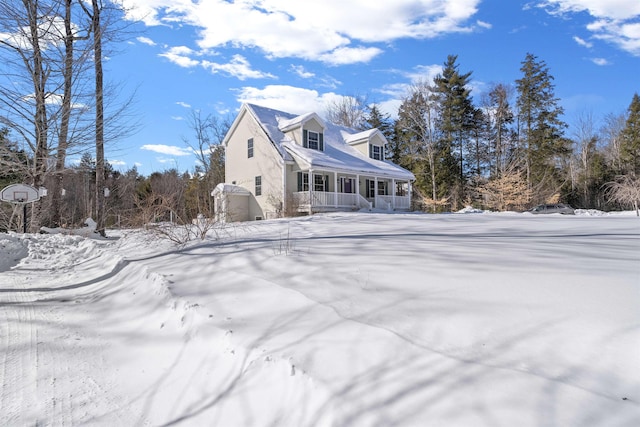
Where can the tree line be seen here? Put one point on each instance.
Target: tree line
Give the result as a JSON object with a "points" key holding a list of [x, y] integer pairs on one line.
{"points": [[509, 150]]}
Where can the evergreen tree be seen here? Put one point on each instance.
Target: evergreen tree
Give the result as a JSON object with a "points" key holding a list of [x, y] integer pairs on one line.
{"points": [[14, 162], [456, 122], [500, 117], [630, 141], [374, 118], [541, 128]]}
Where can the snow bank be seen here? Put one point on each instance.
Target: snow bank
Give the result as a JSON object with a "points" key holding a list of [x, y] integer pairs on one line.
{"points": [[12, 249]]}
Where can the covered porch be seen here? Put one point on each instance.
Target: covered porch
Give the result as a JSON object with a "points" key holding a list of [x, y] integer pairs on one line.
{"points": [[329, 190]]}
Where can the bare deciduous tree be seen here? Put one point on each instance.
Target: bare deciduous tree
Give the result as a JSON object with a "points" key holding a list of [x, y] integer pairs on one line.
{"points": [[418, 120], [625, 191], [348, 111], [509, 190], [26, 28], [611, 132]]}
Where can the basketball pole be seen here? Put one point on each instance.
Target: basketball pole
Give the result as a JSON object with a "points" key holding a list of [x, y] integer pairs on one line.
{"points": [[24, 217]]}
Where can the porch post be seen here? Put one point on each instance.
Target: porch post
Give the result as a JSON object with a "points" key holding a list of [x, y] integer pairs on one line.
{"points": [[375, 192], [357, 188], [335, 189], [409, 185], [311, 182], [283, 208], [393, 192]]}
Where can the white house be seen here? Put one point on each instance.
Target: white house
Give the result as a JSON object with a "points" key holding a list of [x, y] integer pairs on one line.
{"points": [[278, 163]]}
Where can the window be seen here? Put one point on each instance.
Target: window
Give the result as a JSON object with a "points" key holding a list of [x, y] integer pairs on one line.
{"points": [[312, 140], [370, 188], [375, 152], [382, 188], [303, 181], [258, 186], [320, 183], [250, 147]]}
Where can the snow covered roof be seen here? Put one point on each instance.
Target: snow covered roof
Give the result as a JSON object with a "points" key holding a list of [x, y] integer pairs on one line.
{"points": [[360, 136], [223, 188], [337, 155], [287, 124]]}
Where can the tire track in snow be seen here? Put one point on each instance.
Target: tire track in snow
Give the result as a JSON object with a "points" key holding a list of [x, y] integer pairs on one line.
{"points": [[49, 372], [19, 379]]}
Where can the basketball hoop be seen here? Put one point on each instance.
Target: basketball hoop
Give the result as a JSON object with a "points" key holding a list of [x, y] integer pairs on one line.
{"points": [[21, 194]]}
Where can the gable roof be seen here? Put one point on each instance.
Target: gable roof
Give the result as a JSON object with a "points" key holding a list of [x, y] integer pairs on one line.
{"points": [[337, 155], [360, 136], [288, 124]]}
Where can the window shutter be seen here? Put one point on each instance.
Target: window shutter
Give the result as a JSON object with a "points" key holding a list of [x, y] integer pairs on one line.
{"points": [[305, 142], [321, 142], [370, 151], [299, 181], [326, 180]]}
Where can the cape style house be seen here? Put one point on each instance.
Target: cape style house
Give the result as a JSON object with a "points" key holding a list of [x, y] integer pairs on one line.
{"points": [[278, 164]]}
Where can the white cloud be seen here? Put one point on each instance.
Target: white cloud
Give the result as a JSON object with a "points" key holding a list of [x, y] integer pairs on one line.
{"points": [[117, 162], [484, 25], [165, 160], [611, 9], [170, 150], [615, 21], [320, 31], [183, 104], [179, 55], [582, 42], [301, 72], [146, 40], [287, 98], [424, 72], [626, 36], [350, 55], [599, 61], [239, 67]]}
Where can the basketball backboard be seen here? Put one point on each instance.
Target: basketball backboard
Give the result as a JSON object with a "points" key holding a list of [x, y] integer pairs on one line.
{"points": [[19, 193]]}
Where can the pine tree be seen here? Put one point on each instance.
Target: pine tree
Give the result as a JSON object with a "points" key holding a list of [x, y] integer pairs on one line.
{"points": [[375, 118], [630, 141], [541, 128], [456, 122], [500, 118]]}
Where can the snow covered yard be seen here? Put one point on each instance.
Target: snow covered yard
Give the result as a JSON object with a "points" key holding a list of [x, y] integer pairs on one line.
{"points": [[330, 320]]}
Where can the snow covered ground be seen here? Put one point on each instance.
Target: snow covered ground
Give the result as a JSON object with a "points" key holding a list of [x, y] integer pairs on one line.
{"points": [[332, 320]]}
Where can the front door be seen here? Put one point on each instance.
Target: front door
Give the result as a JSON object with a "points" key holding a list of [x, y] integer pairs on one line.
{"points": [[346, 185]]}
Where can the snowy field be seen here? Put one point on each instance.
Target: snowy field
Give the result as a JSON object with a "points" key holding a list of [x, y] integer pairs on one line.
{"points": [[331, 320]]}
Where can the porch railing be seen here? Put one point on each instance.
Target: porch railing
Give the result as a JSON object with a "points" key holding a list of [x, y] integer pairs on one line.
{"points": [[393, 202], [327, 199]]}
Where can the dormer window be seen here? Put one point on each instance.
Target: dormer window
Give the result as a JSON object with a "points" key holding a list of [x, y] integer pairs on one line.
{"points": [[375, 152], [312, 140]]}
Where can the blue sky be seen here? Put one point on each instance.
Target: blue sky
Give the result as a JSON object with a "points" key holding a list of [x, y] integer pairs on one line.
{"points": [[293, 55]]}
